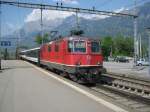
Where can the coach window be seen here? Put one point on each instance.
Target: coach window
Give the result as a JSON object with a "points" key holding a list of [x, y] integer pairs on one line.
{"points": [[49, 48], [56, 47]]}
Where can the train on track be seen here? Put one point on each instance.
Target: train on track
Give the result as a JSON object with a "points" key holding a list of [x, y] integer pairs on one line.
{"points": [[77, 57]]}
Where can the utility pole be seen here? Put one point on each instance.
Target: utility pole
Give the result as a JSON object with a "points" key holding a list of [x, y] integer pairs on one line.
{"points": [[140, 45], [148, 31], [136, 50], [42, 24], [135, 41], [77, 21]]}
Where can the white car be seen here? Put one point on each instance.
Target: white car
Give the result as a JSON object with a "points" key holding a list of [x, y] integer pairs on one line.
{"points": [[142, 62]]}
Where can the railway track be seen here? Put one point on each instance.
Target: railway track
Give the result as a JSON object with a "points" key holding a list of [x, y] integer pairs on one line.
{"points": [[130, 101], [130, 92], [136, 86]]}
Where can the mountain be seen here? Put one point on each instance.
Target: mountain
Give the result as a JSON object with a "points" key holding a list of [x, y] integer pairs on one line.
{"points": [[93, 27], [110, 26]]}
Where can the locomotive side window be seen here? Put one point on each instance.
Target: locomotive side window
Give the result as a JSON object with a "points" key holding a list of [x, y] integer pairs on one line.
{"points": [[70, 46], [49, 48], [95, 47], [56, 47]]}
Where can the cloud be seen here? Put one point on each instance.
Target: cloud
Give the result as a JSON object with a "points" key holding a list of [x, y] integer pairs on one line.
{"points": [[93, 16], [120, 10], [47, 15], [35, 15], [74, 2], [50, 15]]}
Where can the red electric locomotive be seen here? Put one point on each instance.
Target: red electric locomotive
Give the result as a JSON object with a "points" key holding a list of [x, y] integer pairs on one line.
{"points": [[77, 57]]}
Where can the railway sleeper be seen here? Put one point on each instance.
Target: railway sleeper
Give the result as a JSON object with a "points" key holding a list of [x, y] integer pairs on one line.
{"points": [[132, 85], [141, 92]]}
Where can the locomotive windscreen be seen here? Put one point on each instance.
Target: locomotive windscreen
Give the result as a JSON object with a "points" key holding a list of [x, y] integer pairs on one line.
{"points": [[77, 46]]}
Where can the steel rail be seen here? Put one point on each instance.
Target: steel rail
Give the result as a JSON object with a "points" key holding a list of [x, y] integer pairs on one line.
{"points": [[133, 85], [133, 102]]}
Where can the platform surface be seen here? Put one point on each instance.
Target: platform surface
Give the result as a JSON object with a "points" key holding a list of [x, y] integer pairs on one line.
{"points": [[25, 89]]}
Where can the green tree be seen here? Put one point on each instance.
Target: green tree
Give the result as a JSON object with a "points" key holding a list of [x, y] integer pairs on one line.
{"points": [[123, 46], [118, 45], [107, 46], [38, 39], [129, 49]]}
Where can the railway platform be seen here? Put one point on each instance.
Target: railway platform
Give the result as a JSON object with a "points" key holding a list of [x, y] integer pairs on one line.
{"points": [[127, 69], [27, 88]]}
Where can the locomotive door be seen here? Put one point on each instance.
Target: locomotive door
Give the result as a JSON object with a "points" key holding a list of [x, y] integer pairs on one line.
{"points": [[57, 52]]}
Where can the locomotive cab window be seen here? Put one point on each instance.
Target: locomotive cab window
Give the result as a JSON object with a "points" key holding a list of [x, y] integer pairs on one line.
{"points": [[95, 47], [70, 46], [77, 46]]}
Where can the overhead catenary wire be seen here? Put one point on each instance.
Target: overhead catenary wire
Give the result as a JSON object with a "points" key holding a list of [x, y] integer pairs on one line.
{"points": [[64, 8]]}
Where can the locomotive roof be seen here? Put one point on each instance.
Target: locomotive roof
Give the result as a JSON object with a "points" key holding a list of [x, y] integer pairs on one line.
{"points": [[80, 38], [71, 38]]}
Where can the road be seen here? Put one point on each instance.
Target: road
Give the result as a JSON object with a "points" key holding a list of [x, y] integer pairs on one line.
{"points": [[26, 89]]}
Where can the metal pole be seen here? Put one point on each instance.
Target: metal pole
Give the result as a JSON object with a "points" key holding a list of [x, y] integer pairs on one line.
{"points": [[140, 44], [149, 51], [77, 21], [42, 24], [0, 35], [136, 49], [135, 41], [148, 30]]}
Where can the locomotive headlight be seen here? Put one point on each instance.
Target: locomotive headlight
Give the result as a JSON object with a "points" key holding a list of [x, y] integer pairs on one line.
{"points": [[99, 63], [78, 63]]}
